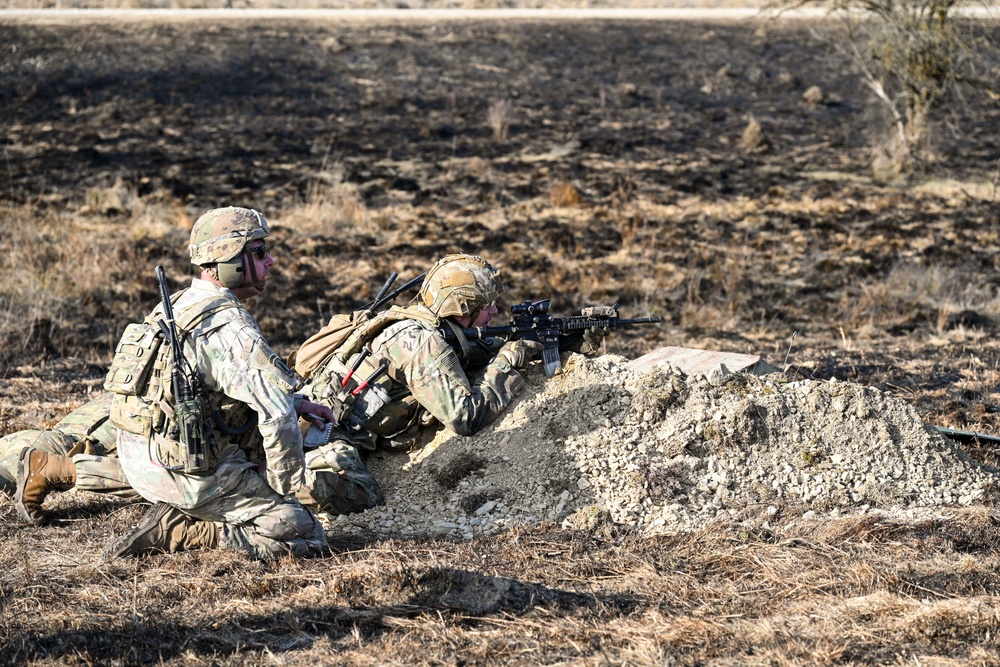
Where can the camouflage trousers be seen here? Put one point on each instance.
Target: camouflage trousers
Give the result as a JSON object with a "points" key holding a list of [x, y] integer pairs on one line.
{"points": [[95, 471], [337, 480], [252, 517]]}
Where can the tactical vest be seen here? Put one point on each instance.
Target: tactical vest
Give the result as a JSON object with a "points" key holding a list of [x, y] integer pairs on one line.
{"points": [[384, 412], [140, 379]]}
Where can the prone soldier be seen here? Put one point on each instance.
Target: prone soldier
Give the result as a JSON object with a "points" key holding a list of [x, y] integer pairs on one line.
{"points": [[400, 372]]}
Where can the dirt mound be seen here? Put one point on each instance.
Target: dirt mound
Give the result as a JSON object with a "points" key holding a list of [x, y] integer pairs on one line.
{"points": [[664, 452]]}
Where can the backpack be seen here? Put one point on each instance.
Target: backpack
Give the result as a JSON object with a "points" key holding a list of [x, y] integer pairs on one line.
{"points": [[346, 333], [320, 346]]}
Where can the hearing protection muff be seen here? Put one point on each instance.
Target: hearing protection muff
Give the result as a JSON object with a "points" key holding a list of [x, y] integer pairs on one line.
{"points": [[231, 272]]}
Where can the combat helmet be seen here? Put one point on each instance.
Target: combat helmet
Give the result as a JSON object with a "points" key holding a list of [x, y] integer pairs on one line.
{"points": [[459, 284], [221, 234]]}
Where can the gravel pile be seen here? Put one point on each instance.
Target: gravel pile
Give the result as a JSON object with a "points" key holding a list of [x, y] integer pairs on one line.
{"points": [[663, 452]]}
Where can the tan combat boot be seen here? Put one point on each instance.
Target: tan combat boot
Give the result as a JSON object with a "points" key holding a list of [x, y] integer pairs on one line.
{"points": [[164, 529], [39, 473]]}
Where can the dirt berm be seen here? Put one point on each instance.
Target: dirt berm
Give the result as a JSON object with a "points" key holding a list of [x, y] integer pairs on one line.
{"points": [[665, 452]]}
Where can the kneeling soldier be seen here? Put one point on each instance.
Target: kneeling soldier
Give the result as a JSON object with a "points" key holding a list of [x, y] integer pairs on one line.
{"points": [[242, 497]]}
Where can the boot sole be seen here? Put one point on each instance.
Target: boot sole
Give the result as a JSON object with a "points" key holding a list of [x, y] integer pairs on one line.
{"points": [[22, 480], [123, 545]]}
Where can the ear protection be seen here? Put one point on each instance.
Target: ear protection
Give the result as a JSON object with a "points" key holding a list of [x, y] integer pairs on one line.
{"points": [[231, 272]]}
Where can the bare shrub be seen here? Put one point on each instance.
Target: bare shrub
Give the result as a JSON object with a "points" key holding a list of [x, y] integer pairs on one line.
{"points": [[498, 117], [912, 56]]}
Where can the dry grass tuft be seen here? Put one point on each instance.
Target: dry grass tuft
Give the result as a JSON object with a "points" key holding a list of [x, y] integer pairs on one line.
{"points": [[332, 206], [754, 139], [564, 194]]}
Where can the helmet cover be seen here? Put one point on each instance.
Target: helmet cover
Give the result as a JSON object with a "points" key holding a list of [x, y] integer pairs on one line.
{"points": [[459, 284], [222, 233]]}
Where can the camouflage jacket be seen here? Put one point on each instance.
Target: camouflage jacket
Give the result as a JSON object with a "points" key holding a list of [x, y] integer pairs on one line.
{"points": [[428, 380], [239, 371]]}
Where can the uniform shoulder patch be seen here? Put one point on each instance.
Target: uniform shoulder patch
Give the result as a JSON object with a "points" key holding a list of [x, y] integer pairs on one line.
{"points": [[265, 359]]}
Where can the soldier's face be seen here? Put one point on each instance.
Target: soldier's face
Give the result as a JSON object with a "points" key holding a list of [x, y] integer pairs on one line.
{"points": [[260, 256], [486, 314]]}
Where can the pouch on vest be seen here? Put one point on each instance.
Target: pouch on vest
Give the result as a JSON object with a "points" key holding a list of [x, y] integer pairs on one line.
{"points": [[135, 415], [134, 359]]}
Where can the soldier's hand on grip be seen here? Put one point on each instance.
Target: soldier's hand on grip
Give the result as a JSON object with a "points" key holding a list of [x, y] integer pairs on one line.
{"points": [[592, 339], [519, 352]]}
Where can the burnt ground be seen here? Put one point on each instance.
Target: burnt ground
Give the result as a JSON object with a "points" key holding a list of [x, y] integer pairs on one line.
{"points": [[643, 122], [619, 177]]}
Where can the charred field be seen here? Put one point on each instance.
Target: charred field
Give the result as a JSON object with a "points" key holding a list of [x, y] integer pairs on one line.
{"points": [[594, 162]]}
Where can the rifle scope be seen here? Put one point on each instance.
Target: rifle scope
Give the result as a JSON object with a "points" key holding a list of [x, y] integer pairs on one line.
{"points": [[531, 307]]}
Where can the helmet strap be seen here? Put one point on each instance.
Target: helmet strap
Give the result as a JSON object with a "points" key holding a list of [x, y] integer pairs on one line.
{"points": [[256, 282]]}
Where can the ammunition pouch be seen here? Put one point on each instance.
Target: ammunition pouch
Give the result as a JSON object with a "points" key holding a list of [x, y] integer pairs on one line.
{"points": [[134, 359], [363, 416], [136, 414], [136, 378]]}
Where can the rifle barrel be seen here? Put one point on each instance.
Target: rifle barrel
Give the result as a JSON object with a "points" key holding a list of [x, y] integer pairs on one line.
{"points": [[386, 286], [408, 285]]}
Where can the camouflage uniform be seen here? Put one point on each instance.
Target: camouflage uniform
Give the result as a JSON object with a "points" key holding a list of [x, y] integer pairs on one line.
{"points": [[463, 386], [87, 436], [244, 497], [237, 366]]}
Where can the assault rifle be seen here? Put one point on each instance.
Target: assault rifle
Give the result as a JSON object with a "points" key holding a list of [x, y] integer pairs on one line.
{"points": [[189, 418], [531, 320]]}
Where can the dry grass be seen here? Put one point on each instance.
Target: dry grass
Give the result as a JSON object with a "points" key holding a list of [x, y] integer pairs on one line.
{"points": [[913, 295], [331, 207], [79, 274], [853, 590], [564, 194]]}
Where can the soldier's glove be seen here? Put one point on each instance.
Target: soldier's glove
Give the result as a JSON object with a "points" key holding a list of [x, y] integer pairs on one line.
{"points": [[594, 336], [518, 353], [592, 339]]}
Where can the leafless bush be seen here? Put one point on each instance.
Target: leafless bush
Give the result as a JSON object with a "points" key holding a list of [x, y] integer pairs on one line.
{"points": [[912, 55]]}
